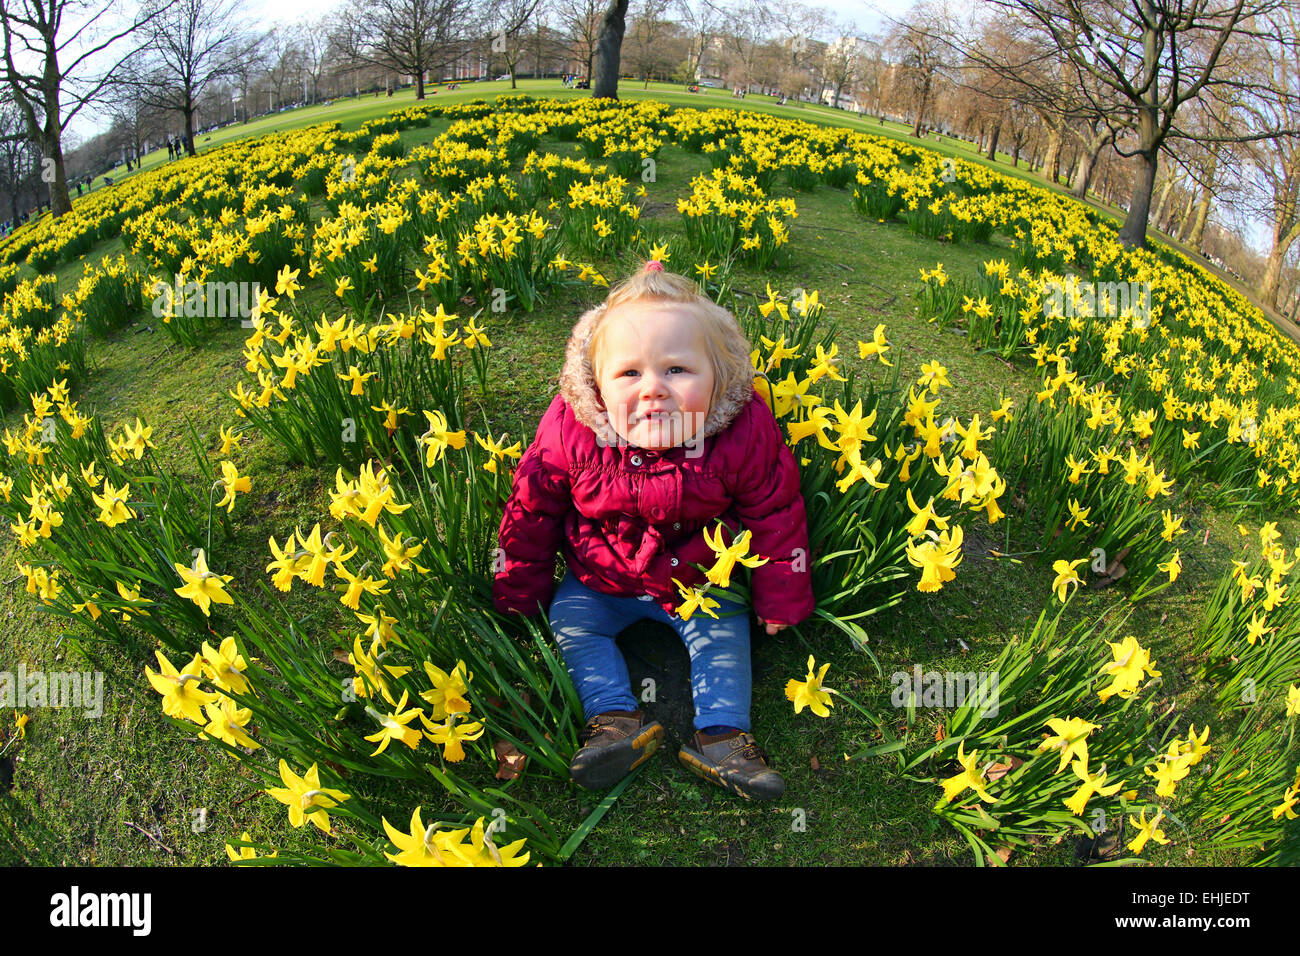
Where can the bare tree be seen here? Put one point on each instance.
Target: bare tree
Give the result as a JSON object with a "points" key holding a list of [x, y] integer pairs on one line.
{"points": [[580, 22], [841, 65], [131, 111], [18, 156], [283, 59], [872, 70], [410, 36], [192, 43], [507, 21], [1274, 171], [250, 63], [1134, 65], [313, 51], [652, 45], [922, 45], [54, 55], [703, 22], [744, 42]]}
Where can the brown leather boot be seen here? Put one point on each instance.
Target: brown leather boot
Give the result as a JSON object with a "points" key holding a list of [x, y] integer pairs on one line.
{"points": [[734, 762], [613, 745]]}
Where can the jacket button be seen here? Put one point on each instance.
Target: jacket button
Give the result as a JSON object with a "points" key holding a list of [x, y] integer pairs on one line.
{"points": [[636, 459], [677, 526], [674, 562]]}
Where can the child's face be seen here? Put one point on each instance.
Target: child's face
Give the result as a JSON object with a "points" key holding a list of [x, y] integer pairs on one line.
{"points": [[656, 378]]}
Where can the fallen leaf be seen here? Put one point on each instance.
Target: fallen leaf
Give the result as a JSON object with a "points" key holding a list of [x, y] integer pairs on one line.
{"points": [[1003, 854], [997, 771], [510, 760], [814, 763], [940, 734], [341, 655]]}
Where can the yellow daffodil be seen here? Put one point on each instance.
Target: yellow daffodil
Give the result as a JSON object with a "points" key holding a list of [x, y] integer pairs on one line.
{"points": [[180, 689], [226, 722], [694, 599], [1070, 737], [1147, 831], [450, 735], [729, 556], [226, 666], [1131, 661], [970, 778], [232, 482], [449, 694], [876, 348], [1092, 784], [395, 726], [245, 852], [809, 693], [1065, 576], [202, 586], [305, 797]]}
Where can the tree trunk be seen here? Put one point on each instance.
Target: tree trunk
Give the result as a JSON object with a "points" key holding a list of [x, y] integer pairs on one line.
{"points": [[1185, 223], [1134, 232], [609, 45], [1052, 159], [60, 201], [993, 142], [189, 129], [1272, 273], [1198, 225], [1282, 242], [1165, 191], [1087, 163]]}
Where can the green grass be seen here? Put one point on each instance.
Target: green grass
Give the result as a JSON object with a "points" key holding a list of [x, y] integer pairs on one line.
{"points": [[82, 787]]}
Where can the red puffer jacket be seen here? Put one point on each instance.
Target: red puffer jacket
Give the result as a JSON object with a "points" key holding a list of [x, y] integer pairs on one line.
{"points": [[629, 520]]}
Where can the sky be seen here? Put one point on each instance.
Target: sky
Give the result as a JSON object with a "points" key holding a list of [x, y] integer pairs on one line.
{"points": [[867, 15]]}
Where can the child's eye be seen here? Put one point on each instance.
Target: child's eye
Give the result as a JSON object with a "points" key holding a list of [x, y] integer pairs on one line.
{"points": [[630, 371], [676, 368]]}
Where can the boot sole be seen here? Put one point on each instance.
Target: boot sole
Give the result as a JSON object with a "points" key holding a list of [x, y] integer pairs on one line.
{"points": [[698, 765], [608, 765]]}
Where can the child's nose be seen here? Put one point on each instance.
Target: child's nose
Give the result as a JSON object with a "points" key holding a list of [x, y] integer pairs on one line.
{"points": [[653, 386]]}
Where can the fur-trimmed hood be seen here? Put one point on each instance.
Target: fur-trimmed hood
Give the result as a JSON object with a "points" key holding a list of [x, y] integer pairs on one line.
{"points": [[579, 388]]}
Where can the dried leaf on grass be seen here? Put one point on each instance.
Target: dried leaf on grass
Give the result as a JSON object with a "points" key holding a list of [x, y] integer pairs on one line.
{"points": [[997, 771], [510, 760]]}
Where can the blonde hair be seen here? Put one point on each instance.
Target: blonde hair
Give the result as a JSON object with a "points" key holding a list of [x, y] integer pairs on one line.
{"points": [[724, 342]]}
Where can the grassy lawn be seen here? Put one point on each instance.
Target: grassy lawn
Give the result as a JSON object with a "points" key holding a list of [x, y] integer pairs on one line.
{"points": [[128, 789]]}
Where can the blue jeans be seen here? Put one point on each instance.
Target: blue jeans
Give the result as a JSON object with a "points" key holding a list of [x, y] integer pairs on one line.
{"points": [[586, 622]]}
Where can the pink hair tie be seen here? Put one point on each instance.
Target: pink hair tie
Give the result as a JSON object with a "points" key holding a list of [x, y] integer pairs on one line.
{"points": [[654, 265]]}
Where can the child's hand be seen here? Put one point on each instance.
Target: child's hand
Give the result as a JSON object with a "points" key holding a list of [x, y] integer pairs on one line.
{"points": [[771, 627]]}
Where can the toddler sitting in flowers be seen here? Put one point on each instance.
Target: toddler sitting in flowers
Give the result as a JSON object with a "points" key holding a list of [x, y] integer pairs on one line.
{"points": [[656, 434]]}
